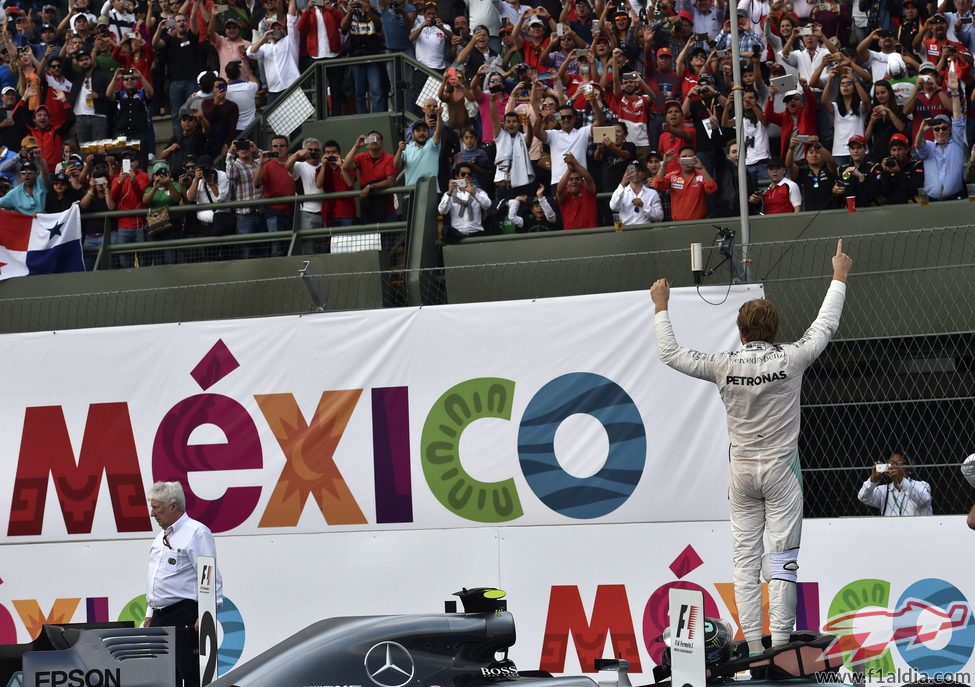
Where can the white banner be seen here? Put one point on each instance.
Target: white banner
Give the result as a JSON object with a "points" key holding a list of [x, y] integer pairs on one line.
{"points": [[577, 592], [541, 412]]}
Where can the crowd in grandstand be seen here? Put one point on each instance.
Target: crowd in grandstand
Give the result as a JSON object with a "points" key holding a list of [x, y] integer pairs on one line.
{"points": [[557, 115]]}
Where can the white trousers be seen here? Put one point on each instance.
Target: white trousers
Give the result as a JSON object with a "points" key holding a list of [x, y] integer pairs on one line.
{"points": [[766, 498]]}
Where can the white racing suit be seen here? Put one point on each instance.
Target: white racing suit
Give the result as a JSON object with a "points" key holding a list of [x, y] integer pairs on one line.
{"points": [[760, 385]]}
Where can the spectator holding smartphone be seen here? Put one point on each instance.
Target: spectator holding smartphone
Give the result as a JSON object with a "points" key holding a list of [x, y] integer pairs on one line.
{"points": [[464, 203], [689, 186], [376, 170], [635, 202], [96, 199], [892, 492]]}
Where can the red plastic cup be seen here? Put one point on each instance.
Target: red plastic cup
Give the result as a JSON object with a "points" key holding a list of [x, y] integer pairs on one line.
{"points": [[851, 203]]}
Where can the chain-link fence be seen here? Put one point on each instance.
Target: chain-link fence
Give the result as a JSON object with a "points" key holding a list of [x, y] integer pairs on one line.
{"points": [[899, 375]]}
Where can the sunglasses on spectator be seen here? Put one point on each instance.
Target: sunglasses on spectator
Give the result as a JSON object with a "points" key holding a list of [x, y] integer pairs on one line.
{"points": [[941, 127], [25, 172], [279, 145], [463, 174]]}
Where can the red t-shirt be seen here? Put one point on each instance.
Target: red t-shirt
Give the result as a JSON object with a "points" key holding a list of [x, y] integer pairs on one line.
{"points": [[343, 208], [688, 195], [931, 51], [579, 209], [373, 170], [924, 107], [777, 200], [277, 182], [668, 141], [127, 194]]}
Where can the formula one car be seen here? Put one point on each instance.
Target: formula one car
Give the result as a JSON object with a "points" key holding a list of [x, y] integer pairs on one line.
{"points": [[467, 649], [470, 649]]}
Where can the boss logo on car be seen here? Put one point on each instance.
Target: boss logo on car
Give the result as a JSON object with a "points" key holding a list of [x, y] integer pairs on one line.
{"points": [[499, 672]]}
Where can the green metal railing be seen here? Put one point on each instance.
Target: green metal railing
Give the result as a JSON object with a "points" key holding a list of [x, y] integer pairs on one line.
{"points": [[293, 237], [314, 83]]}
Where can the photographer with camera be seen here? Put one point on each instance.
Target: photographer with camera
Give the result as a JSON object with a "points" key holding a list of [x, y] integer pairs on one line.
{"points": [[241, 168], [303, 165], [892, 492], [332, 178], [164, 192], [464, 205], [209, 186], [900, 176], [431, 38]]}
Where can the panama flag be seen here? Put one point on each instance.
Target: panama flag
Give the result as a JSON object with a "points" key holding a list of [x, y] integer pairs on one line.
{"points": [[42, 244]]}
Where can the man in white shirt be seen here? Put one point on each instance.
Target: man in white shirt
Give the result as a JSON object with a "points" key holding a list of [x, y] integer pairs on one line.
{"points": [[303, 165], [568, 139], [901, 495], [635, 202], [171, 594], [805, 61], [242, 87], [465, 203], [887, 59], [279, 53], [431, 36]]}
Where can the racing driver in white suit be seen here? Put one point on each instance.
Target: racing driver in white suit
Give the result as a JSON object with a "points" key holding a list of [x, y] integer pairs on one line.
{"points": [[759, 384]]}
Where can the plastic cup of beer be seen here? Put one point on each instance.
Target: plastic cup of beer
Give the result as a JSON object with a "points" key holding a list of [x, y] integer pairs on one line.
{"points": [[971, 192], [617, 222], [922, 196]]}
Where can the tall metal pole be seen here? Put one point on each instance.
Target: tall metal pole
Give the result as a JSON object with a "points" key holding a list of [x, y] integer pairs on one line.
{"points": [[739, 137]]}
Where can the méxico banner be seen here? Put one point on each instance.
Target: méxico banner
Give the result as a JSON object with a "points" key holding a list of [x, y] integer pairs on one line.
{"points": [[543, 412], [369, 463]]}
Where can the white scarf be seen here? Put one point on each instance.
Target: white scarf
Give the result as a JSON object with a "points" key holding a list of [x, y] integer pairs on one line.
{"points": [[511, 158]]}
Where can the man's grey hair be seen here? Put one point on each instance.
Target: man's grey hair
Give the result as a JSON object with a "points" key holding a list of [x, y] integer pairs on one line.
{"points": [[309, 141], [168, 492]]}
